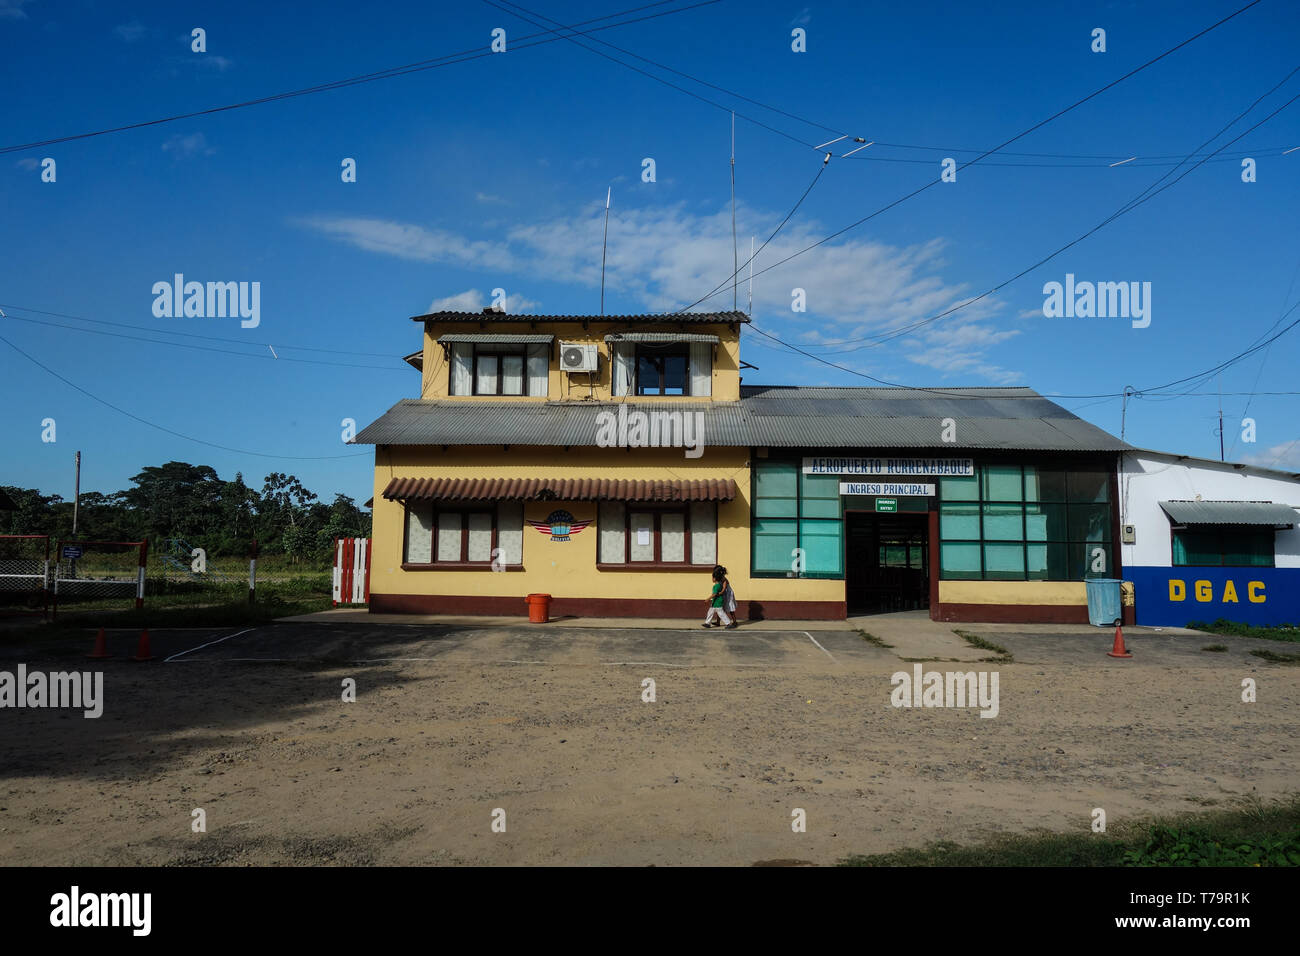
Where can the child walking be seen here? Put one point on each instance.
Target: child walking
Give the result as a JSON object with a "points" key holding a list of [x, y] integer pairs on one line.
{"points": [[717, 600]]}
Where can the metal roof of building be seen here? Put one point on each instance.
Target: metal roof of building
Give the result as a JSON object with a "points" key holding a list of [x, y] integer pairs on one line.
{"points": [[497, 338], [661, 337], [559, 489], [1230, 512], [489, 315], [988, 419]]}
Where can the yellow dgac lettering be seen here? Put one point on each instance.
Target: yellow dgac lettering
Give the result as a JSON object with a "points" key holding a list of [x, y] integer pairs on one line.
{"points": [[1230, 592], [1177, 590], [1250, 592], [1204, 592]]}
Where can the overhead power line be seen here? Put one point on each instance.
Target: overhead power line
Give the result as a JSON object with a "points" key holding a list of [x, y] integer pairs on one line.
{"points": [[1101, 161], [164, 428], [201, 348], [417, 67]]}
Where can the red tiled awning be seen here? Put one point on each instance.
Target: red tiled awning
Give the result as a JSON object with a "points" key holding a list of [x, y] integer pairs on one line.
{"points": [[559, 489]]}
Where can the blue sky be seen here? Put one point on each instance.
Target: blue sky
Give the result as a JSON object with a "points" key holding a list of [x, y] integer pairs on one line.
{"points": [[492, 173]]}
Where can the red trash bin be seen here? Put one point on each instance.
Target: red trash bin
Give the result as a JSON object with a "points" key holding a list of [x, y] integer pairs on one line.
{"points": [[539, 608]]}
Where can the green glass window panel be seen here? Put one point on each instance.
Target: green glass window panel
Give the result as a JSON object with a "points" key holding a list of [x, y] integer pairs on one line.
{"points": [[823, 546], [960, 561], [1248, 548], [895, 556], [959, 522], [821, 496], [959, 487], [1047, 562], [1089, 522], [1044, 484], [1002, 483], [776, 489], [774, 544], [1004, 562], [914, 557], [1083, 557], [1087, 485], [1046, 522], [1196, 548], [1003, 523]]}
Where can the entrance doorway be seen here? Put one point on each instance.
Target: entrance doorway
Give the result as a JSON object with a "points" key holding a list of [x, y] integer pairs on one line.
{"points": [[887, 562]]}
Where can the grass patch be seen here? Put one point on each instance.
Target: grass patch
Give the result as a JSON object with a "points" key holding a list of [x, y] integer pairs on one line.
{"points": [[1273, 657], [1281, 632], [872, 639], [1252, 833], [1215, 648], [1003, 656], [212, 608]]}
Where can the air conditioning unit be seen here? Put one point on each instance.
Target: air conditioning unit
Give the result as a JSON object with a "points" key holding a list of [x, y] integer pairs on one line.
{"points": [[578, 357]]}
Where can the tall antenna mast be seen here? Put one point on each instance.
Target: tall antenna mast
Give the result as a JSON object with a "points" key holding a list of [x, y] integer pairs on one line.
{"points": [[609, 191], [735, 259]]}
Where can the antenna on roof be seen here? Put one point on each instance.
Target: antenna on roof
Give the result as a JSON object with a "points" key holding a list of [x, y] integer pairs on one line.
{"points": [[609, 191], [735, 259]]}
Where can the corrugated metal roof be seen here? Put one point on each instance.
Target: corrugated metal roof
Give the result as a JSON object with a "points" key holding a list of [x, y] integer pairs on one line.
{"points": [[1230, 512], [490, 316], [559, 489], [496, 338], [986, 419], [661, 337]]}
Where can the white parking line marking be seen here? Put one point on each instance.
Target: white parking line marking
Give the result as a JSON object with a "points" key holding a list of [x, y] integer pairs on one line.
{"points": [[823, 650], [209, 644]]}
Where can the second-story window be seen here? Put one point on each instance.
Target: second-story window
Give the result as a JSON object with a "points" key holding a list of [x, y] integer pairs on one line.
{"points": [[504, 368], [663, 370], [499, 370]]}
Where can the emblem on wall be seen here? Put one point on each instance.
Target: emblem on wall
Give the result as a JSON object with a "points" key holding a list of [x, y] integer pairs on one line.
{"points": [[559, 525]]}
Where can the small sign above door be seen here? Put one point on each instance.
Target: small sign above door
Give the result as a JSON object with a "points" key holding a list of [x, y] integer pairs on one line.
{"points": [[889, 505], [885, 488]]}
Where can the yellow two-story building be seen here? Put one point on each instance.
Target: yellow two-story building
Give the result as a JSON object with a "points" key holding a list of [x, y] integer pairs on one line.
{"points": [[612, 461]]}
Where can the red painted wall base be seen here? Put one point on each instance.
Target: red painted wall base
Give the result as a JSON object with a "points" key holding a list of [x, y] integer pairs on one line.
{"points": [[602, 607]]}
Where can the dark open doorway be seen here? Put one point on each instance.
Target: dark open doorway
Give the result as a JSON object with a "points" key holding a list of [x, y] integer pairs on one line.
{"points": [[886, 562]]}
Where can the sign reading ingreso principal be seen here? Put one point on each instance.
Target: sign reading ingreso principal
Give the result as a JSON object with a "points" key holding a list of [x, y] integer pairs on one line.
{"points": [[889, 467]]}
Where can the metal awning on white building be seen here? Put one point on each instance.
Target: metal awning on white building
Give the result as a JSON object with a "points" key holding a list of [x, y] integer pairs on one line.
{"points": [[1264, 513]]}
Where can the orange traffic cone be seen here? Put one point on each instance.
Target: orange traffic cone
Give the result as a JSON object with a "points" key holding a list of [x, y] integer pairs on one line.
{"points": [[101, 649], [1118, 650], [142, 652]]}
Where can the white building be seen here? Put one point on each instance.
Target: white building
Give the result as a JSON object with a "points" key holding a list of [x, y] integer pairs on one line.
{"points": [[1203, 539]]}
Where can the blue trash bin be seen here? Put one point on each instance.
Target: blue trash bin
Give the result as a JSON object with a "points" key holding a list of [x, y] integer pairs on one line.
{"points": [[1104, 601]]}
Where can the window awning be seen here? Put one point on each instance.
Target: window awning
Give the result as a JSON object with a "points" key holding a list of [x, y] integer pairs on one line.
{"points": [[1262, 513], [558, 489], [662, 337], [495, 338]]}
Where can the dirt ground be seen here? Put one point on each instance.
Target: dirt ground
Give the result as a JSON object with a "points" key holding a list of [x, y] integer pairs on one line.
{"points": [[452, 723]]}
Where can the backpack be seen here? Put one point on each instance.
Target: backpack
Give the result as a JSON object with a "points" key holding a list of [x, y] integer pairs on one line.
{"points": [[729, 600]]}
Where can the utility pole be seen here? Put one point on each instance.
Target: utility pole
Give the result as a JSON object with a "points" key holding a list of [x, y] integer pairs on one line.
{"points": [[1221, 456], [76, 500]]}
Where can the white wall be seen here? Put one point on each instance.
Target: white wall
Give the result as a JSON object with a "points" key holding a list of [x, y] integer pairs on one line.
{"points": [[1148, 478]]}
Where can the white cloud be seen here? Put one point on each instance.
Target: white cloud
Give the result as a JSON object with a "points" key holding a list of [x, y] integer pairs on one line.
{"points": [[407, 241], [489, 198], [666, 257], [29, 163], [472, 300], [13, 9], [183, 147], [1285, 457], [129, 32]]}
